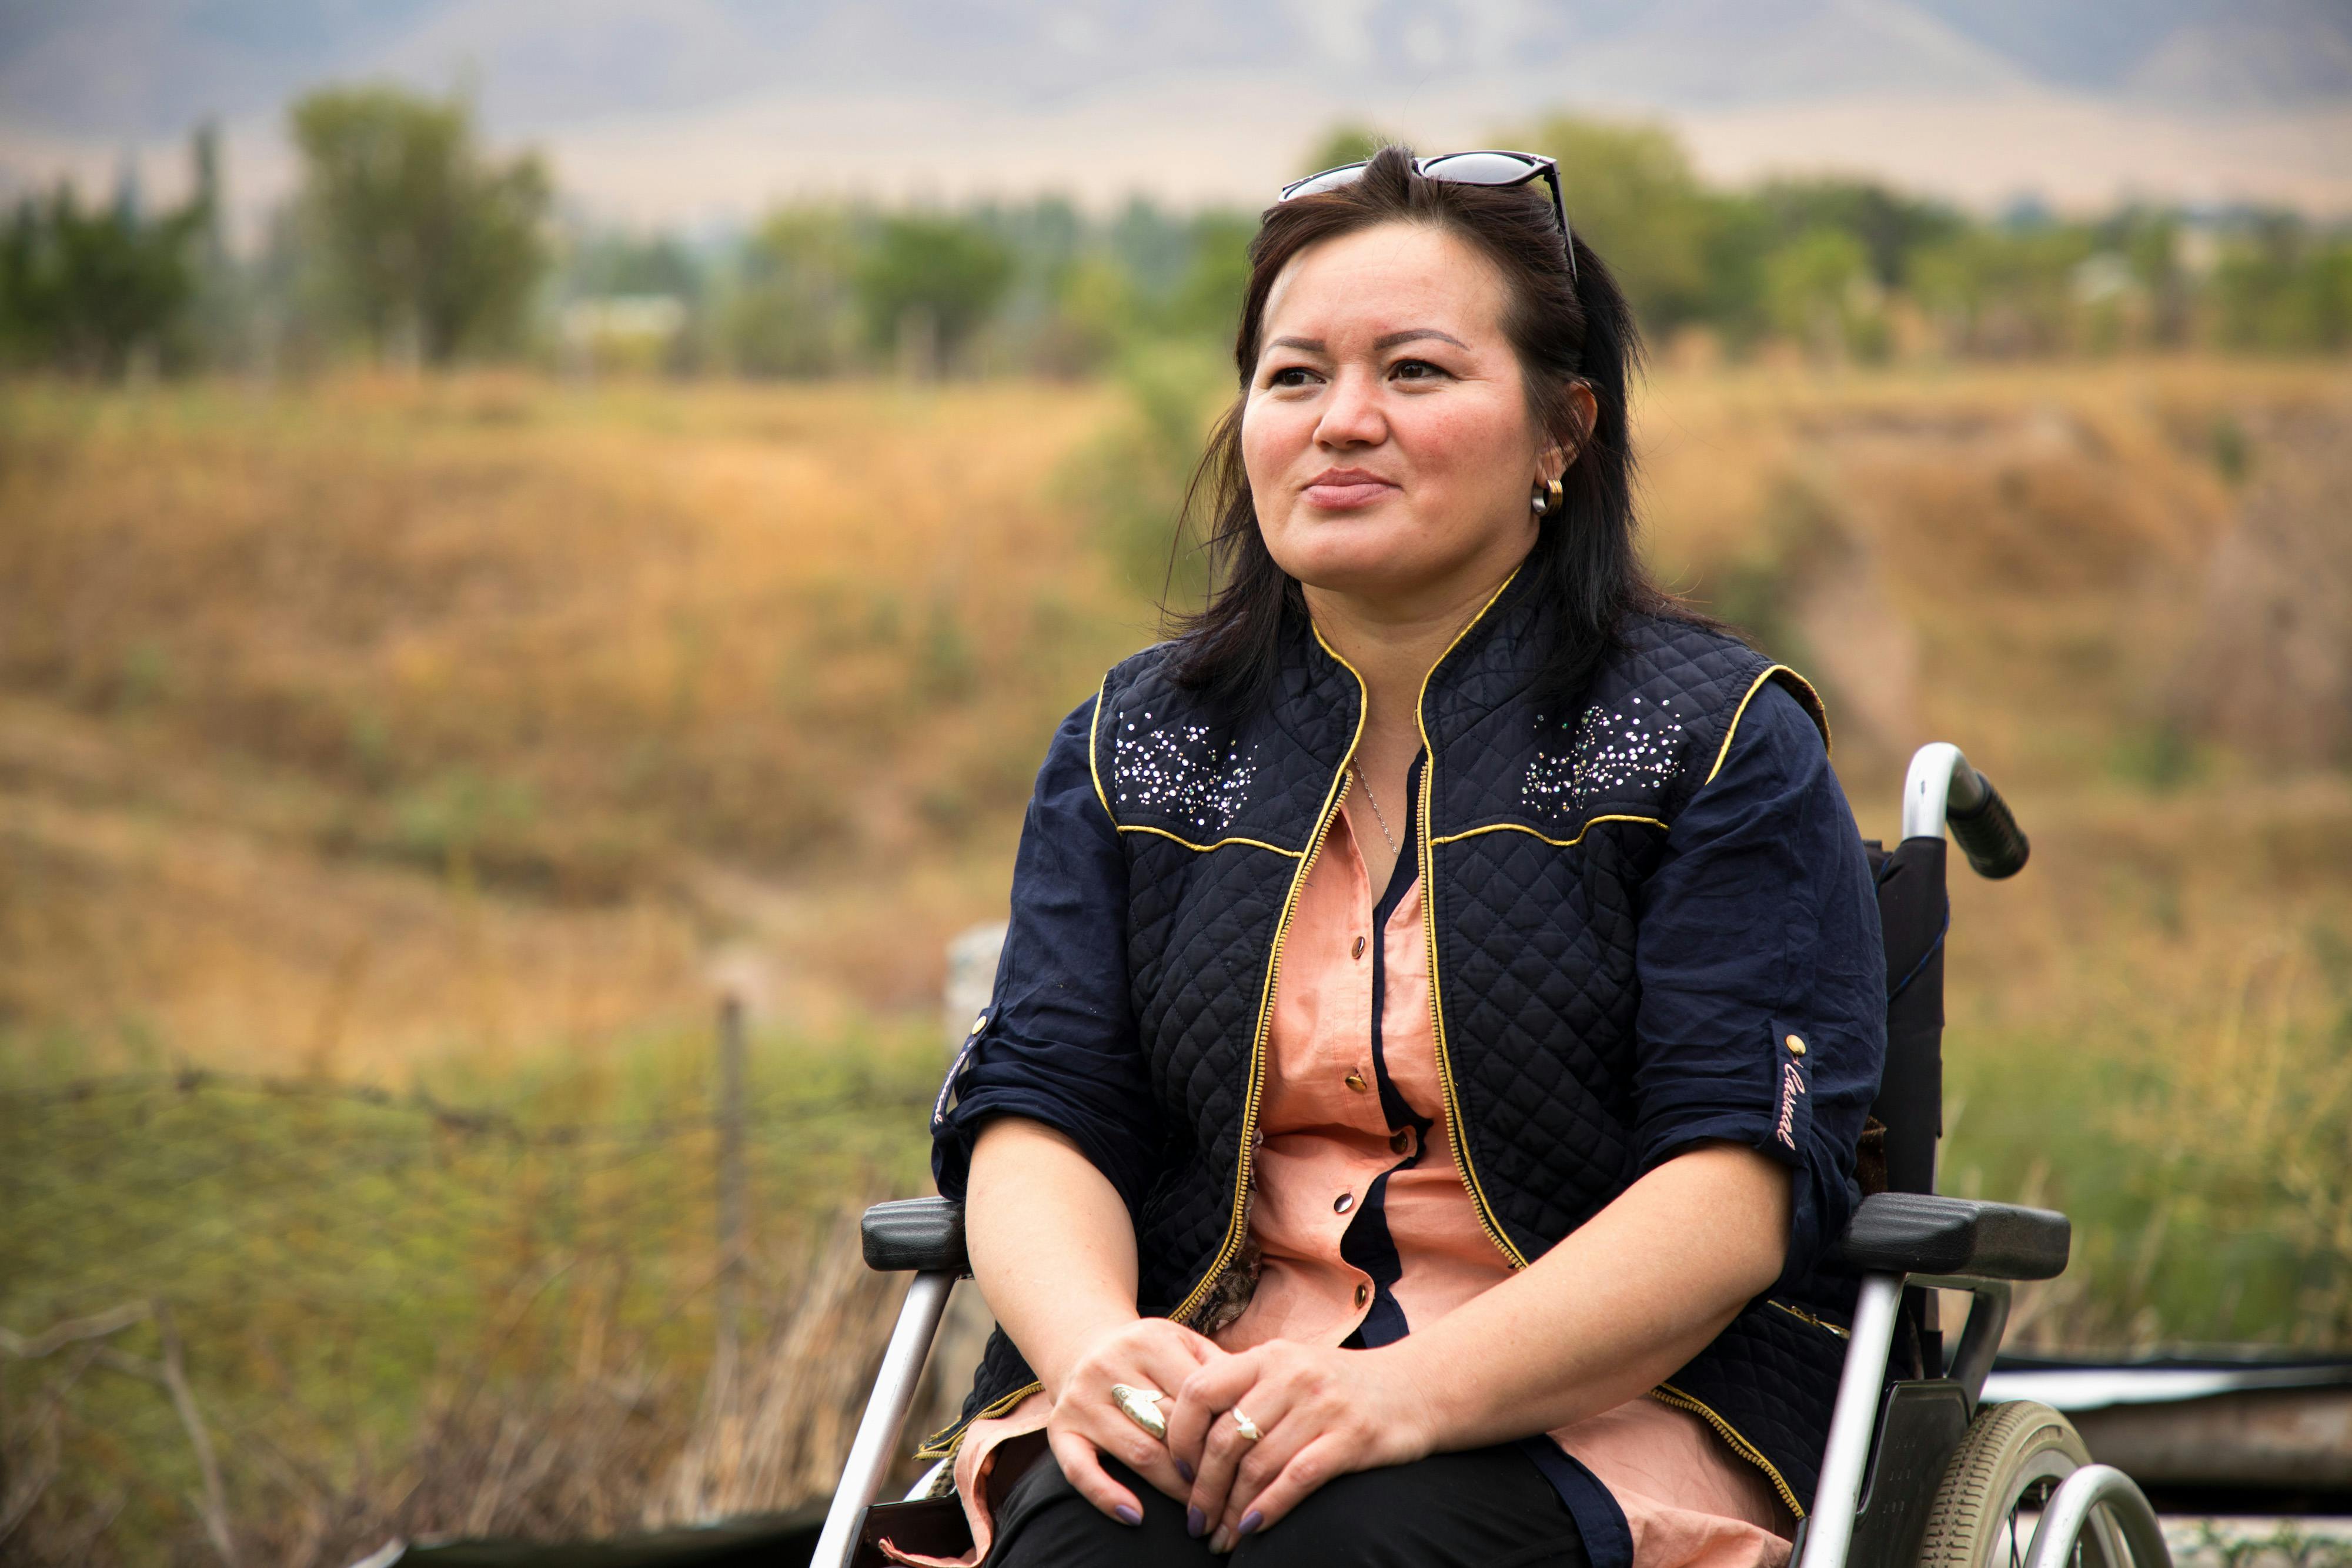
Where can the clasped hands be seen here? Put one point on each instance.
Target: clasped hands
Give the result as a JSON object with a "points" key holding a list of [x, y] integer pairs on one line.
{"points": [[1321, 1412]]}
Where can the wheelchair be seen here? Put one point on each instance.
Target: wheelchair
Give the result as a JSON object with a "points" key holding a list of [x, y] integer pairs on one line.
{"points": [[1917, 1470]]}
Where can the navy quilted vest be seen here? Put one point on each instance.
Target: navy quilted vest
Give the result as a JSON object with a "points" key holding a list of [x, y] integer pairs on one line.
{"points": [[1537, 830]]}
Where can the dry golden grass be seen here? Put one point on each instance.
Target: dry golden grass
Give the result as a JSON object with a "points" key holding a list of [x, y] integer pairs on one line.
{"points": [[476, 729], [349, 726], [603, 679]]}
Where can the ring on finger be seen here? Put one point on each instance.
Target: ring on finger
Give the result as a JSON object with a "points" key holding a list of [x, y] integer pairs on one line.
{"points": [[1245, 1426], [1141, 1405]]}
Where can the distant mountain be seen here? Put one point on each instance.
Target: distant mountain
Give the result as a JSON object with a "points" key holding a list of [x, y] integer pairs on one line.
{"points": [[653, 105], [1713, 54], [2259, 56], [140, 67], [2196, 52]]}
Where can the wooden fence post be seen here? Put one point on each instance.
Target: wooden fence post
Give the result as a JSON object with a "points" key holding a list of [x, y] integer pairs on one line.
{"points": [[728, 1299]]}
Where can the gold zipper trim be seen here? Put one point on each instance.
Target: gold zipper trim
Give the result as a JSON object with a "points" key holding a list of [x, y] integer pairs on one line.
{"points": [[1804, 1316], [1094, 741], [1667, 1394], [1556, 843], [1456, 1135], [1204, 849], [1243, 1164], [946, 1443], [1820, 715]]}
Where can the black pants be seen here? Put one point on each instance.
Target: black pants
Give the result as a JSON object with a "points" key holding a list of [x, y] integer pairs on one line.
{"points": [[1488, 1507]]}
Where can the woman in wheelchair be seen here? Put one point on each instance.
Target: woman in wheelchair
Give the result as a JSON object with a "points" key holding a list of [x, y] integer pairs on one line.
{"points": [[1444, 988]]}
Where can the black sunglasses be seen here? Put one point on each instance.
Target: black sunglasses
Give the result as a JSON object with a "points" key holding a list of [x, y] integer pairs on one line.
{"points": [[1487, 167]]}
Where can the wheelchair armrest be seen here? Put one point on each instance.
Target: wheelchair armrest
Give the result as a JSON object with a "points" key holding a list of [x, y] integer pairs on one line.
{"points": [[1921, 1233], [925, 1234]]}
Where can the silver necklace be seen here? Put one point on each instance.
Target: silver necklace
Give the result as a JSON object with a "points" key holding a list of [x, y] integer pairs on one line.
{"points": [[1377, 815]]}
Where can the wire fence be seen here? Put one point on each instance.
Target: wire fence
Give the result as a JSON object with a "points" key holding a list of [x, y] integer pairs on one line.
{"points": [[255, 1320]]}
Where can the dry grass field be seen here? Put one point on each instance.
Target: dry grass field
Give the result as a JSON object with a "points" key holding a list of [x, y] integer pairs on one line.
{"points": [[351, 727], [471, 734]]}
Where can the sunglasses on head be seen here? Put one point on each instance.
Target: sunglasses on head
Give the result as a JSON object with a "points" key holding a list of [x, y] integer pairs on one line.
{"points": [[1482, 168]]}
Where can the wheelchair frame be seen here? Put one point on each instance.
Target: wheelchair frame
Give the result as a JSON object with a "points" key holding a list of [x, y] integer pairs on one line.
{"points": [[1901, 1242]]}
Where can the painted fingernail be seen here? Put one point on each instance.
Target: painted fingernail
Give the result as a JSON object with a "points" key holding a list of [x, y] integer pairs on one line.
{"points": [[1196, 1523], [1127, 1513], [1221, 1544], [1251, 1520], [1186, 1472]]}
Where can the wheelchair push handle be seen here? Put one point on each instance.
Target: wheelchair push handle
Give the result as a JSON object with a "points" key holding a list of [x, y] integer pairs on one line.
{"points": [[1996, 846], [1943, 789]]}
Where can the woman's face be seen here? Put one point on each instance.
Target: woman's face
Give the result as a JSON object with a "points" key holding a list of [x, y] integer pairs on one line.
{"points": [[1386, 432]]}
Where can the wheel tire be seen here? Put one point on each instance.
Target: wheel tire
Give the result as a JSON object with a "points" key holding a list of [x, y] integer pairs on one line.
{"points": [[2009, 1451]]}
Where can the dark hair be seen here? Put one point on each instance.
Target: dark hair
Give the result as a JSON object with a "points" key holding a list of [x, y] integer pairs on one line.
{"points": [[1564, 331]]}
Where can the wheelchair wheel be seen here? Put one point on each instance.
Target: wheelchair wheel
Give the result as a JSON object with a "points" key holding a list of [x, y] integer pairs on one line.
{"points": [[1994, 1487]]}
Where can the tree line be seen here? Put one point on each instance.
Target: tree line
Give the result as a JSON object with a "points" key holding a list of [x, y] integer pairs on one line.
{"points": [[408, 242]]}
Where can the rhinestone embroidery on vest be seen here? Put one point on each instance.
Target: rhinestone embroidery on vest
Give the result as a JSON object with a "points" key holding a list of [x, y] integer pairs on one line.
{"points": [[1613, 750], [1176, 770]]}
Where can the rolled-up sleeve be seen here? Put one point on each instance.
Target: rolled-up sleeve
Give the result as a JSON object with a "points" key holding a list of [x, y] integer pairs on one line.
{"points": [[1057, 1042], [1763, 1011]]}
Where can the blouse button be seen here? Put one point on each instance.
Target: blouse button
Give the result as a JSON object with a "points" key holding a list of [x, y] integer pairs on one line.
{"points": [[1363, 1293], [1357, 950], [1356, 1080], [1343, 1203], [1796, 1046], [1399, 1142]]}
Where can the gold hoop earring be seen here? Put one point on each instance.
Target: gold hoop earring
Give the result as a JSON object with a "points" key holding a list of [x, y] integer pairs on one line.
{"points": [[1548, 498]]}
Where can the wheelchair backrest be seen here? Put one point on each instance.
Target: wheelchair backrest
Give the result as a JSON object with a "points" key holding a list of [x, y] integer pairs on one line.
{"points": [[1914, 912]]}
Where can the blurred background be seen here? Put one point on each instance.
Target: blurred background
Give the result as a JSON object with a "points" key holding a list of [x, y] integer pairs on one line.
{"points": [[541, 547]]}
